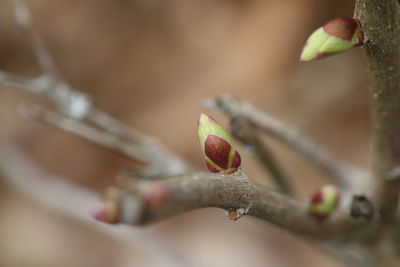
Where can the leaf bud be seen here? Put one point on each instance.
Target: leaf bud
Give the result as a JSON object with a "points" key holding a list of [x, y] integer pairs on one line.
{"points": [[336, 36], [217, 146]]}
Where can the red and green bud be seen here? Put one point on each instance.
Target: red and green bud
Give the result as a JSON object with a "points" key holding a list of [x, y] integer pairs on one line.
{"points": [[217, 146], [337, 35], [324, 202]]}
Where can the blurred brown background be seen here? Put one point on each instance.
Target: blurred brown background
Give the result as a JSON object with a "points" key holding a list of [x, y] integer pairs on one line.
{"points": [[151, 63]]}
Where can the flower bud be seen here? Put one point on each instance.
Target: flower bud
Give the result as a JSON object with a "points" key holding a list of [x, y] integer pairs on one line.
{"points": [[337, 35], [217, 146], [324, 202]]}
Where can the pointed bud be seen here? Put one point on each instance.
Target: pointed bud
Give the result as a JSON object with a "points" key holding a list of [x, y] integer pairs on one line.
{"points": [[324, 202], [337, 35], [217, 146]]}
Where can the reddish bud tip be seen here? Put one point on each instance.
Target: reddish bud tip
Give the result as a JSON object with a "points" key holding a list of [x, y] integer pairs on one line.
{"points": [[157, 195], [107, 213], [342, 28], [100, 214]]}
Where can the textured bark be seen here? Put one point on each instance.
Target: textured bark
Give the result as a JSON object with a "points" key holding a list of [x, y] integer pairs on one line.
{"points": [[139, 203], [380, 21]]}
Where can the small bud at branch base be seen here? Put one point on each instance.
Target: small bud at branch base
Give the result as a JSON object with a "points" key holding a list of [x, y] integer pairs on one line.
{"points": [[324, 202], [107, 213]]}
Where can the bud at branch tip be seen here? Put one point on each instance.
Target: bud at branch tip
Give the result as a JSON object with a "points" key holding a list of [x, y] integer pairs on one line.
{"points": [[217, 146]]}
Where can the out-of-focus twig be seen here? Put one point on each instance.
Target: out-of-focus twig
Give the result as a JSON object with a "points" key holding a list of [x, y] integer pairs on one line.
{"points": [[161, 161], [24, 19], [354, 254], [100, 138], [159, 164], [54, 192], [78, 106], [9, 79]]}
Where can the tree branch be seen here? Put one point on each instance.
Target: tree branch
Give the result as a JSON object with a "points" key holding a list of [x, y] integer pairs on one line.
{"points": [[148, 201], [380, 21]]}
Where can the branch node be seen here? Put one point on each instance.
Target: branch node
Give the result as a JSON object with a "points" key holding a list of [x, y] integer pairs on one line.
{"points": [[361, 208], [73, 104]]}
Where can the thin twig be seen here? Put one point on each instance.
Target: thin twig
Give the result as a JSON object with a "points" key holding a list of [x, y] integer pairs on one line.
{"points": [[161, 160], [9, 79], [43, 56], [342, 173], [245, 132], [78, 128]]}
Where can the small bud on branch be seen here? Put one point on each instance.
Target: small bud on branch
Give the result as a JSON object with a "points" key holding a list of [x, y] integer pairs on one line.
{"points": [[336, 36], [324, 202], [217, 146], [108, 212]]}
